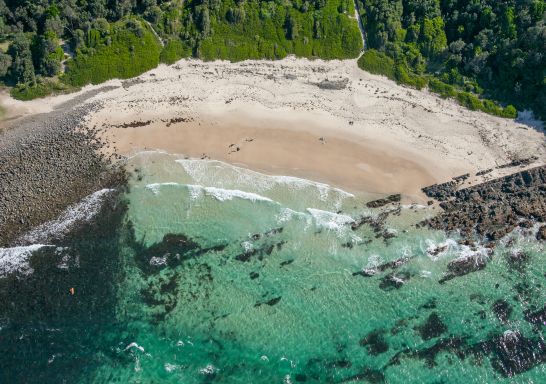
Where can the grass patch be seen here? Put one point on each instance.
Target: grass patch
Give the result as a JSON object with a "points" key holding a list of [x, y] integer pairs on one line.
{"points": [[379, 63]]}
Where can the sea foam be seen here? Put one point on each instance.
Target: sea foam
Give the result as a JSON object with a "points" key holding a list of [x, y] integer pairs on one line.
{"points": [[16, 259], [220, 194], [330, 220], [224, 175], [82, 211]]}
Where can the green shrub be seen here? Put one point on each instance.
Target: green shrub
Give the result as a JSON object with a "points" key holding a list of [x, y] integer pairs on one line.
{"points": [[128, 51], [510, 112], [377, 63], [406, 77], [443, 89], [173, 51], [42, 88], [469, 101]]}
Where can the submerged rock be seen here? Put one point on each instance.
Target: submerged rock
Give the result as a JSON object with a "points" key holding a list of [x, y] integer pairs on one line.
{"points": [[433, 327], [515, 354], [394, 281], [541, 234], [271, 302], [375, 342], [537, 317], [502, 309], [464, 265], [372, 376]]}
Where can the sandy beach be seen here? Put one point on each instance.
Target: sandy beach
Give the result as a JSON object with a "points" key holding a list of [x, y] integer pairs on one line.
{"points": [[322, 120]]}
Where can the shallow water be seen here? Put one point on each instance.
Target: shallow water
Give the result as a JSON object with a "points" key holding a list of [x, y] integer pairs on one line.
{"points": [[208, 272]]}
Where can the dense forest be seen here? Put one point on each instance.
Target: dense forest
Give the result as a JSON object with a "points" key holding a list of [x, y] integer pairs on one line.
{"points": [[53, 45], [460, 48], [470, 50]]}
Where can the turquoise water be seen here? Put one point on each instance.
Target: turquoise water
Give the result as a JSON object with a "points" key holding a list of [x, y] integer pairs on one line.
{"points": [[214, 273]]}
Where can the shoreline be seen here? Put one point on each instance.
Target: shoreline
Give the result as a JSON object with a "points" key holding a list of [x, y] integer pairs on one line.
{"points": [[277, 148], [48, 162], [323, 121]]}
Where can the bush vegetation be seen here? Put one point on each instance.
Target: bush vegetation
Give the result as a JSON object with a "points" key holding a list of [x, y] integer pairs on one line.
{"points": [[464, 49], [378, 63], [173, 51], [117, 39], [41, 88], [127, 49]]}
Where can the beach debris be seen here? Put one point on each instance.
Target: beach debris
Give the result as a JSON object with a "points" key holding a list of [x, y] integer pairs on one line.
{"points": [[134, 124]]}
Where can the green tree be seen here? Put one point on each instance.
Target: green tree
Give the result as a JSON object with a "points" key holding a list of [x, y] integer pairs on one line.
{"points": [[22, 69], [5, 64], [47, 54], [433, 40]]}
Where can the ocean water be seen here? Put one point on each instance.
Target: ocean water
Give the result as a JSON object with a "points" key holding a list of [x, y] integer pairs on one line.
{"points": [[204, 272]]}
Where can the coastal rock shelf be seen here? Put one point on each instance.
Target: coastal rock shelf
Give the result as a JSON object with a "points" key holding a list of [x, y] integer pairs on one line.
{"points": [[494, 208]]}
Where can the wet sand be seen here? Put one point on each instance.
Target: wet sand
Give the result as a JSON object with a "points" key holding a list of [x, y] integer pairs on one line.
{"points": [[277, 147]]}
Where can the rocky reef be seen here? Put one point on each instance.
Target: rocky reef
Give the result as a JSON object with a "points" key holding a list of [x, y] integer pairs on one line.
{"points": [[494, 208]]}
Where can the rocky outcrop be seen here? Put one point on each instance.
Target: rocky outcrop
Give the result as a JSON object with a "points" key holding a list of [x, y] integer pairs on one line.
{"points": [[494, 208], [382, 202]]}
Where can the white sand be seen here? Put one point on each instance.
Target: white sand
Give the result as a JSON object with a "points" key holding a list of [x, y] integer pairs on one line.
{"points": [[377, 136]]}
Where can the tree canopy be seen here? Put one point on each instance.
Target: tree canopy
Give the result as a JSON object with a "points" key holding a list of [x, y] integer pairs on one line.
{"points": [[495, 48]]}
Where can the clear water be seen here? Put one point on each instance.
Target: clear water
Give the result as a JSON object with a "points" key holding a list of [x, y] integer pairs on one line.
{"points": [[218, 274]]}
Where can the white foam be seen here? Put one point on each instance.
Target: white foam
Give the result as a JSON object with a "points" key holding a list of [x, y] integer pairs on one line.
{"points": [[82, 211], [436, 250], [67, 260], [158, 261], [150, 152], [15, 260], [156, 187], [219, 194], [195, 191], [287, 214], [425, 274], [208, 370], [247, 246], [479, 253], [171, 367], [329, 220], [374, 261], [134, 345], [223, 174]]}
